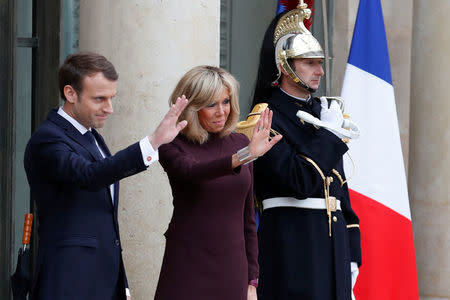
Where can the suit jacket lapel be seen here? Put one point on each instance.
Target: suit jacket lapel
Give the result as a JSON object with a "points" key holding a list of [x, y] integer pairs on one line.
{"points": [[107, 153], [72, 132], [77, 137], [101, 142], [105, 149]]}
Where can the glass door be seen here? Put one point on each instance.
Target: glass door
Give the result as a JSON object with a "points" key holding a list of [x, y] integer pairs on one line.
{"points": [[29, 60], [22, 115]]}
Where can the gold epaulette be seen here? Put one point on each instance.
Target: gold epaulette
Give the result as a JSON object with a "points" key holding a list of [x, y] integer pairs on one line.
{"points": [[246, 127]]}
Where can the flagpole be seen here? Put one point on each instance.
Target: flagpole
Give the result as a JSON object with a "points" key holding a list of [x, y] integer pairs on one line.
{"points": [[327, 58]]}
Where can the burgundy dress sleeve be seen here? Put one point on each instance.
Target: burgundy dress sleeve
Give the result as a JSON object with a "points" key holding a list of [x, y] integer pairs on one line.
{"points": [[181, 164]]}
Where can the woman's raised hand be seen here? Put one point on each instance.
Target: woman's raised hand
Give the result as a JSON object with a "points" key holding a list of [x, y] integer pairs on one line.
{"points": [[261, 141]]}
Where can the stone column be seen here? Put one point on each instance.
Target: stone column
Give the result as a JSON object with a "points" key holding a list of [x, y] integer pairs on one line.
{"points": [[429, 162], [152, 44]]}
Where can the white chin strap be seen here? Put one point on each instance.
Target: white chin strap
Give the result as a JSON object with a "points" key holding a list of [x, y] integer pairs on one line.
{"points": [[348, 128]]}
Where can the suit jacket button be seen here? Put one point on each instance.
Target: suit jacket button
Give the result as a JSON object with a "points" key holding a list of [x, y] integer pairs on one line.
{"points": [[117, 243]]}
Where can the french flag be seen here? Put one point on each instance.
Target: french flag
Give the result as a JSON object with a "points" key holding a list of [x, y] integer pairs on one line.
{"points": [[378, 190]]}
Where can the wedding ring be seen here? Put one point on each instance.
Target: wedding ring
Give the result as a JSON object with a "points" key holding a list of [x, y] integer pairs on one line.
{"points": [[260, 128]]}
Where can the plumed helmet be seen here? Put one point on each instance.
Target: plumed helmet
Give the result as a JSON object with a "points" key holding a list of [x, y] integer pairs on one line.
{"points": [[293, 40]]}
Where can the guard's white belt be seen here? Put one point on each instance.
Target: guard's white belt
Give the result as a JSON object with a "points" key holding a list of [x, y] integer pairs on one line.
{"points": [[312, 203]]}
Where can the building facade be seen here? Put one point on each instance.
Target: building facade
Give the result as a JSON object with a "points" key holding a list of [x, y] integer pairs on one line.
{"points": [[153, 43]]}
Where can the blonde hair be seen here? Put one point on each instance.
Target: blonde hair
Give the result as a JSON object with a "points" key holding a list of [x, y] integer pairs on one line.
{"points": [[202, 86]]}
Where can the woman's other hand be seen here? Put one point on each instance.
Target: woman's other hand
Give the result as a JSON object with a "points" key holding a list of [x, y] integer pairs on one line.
{"points": [[260, 142]]}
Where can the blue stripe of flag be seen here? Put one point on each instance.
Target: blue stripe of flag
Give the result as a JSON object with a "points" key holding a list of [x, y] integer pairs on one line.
{"points": [[369, 50]]}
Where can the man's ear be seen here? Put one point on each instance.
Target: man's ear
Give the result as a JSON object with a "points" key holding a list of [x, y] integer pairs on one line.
{"points": [[70, 93], [283, 71]]}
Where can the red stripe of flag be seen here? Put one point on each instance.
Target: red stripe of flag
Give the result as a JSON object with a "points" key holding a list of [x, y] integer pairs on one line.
{"points": [[388, 270]]}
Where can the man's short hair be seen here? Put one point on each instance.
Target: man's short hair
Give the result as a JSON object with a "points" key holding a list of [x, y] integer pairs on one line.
{"points": [[79, 65]]}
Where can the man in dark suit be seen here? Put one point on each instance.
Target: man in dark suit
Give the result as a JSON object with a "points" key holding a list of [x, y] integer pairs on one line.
{"points": [[74, 181]]}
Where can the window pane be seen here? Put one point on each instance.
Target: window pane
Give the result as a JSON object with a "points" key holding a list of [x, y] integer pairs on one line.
{"points": [[70, 27]]}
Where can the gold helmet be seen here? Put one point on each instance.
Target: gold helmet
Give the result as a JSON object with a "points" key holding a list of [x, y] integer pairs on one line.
{"points": [[293, 40]]}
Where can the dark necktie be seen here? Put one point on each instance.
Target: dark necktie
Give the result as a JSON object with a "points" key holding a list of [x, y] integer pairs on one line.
{"points": [[94, 149], [92, 145]]}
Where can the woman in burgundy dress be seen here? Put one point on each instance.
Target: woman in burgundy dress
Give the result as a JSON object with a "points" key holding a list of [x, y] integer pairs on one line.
{"points": [[211, 243]]}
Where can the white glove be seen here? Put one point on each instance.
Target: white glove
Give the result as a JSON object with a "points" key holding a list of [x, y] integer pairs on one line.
{"points": [[355, 271], [332, 120], [331, 116]]}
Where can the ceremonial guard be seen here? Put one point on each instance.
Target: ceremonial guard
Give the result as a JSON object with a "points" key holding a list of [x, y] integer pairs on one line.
{"points": [[309, 238]]}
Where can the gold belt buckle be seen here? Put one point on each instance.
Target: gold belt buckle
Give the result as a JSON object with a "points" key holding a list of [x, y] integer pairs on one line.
{"points": [[332, 203]]}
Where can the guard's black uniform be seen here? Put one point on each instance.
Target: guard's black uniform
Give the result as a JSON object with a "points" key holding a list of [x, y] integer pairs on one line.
{"points": [[298, 259]]}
